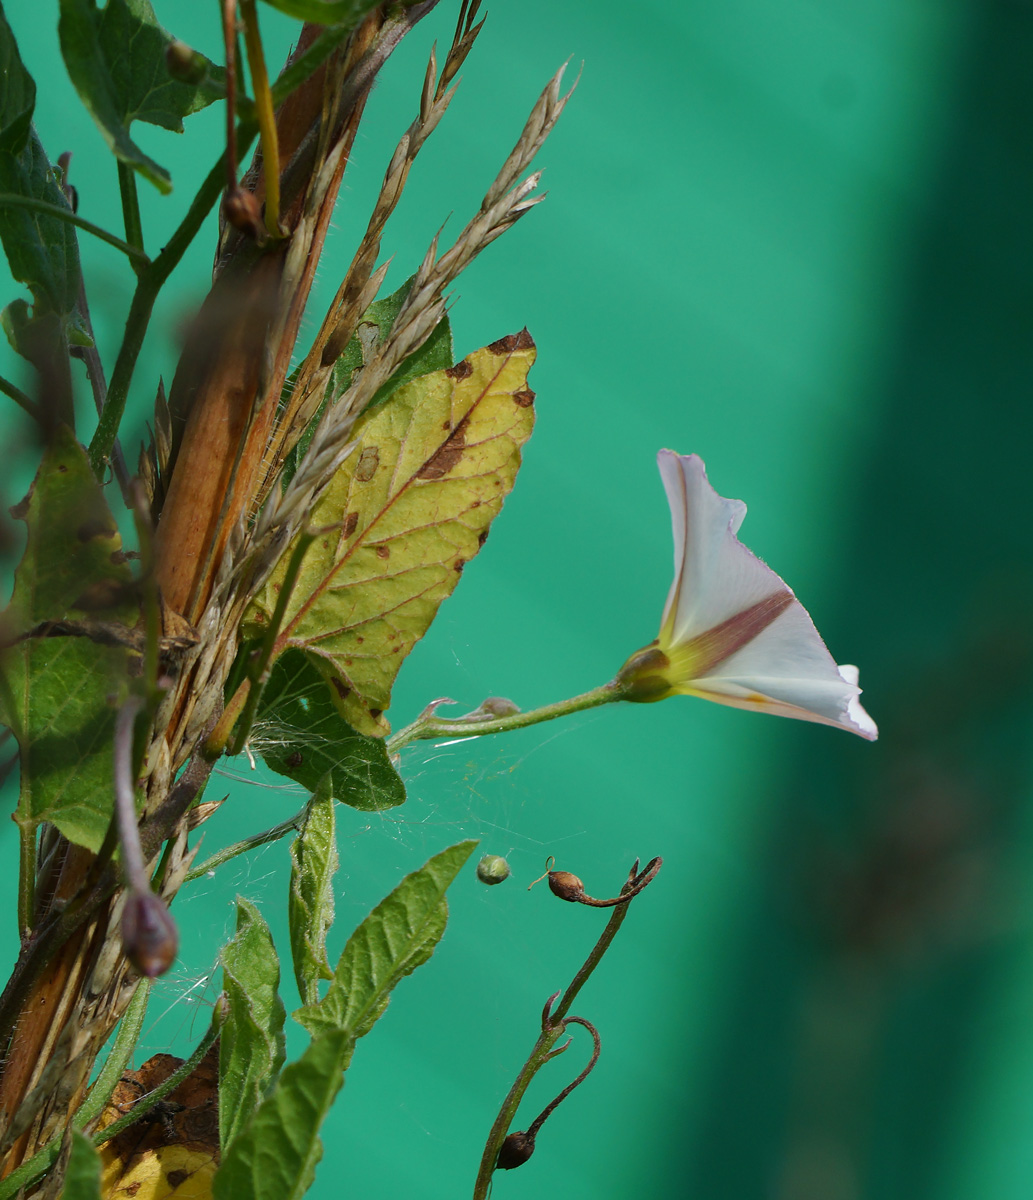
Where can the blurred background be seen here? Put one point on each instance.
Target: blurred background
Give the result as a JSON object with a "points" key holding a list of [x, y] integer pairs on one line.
{"points": [[794, 239]]}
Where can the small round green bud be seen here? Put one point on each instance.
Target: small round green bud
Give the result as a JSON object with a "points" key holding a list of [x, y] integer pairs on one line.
{"points": [[492, 869]]}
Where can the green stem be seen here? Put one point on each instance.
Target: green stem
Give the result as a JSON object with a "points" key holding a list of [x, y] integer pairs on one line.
{"points": [[130, 205], [144, 1105], [10, 200], [19, 397], [265, 114], [552, 1027], [26, 878], [251, 843], [427, 725], [125, 1043], [149, 283], [538, 1056]]}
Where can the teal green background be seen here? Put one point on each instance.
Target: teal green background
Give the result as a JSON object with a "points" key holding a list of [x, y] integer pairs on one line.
{"points": [[794, 239]]}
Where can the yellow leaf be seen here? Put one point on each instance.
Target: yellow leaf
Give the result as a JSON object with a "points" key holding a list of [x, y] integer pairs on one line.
{"points": [[400, 520], [172, 1152]]}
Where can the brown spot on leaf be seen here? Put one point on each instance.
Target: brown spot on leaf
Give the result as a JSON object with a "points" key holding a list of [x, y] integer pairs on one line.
{"points": [[62, 469], [118, 557], [524, 399], [462, 370], [93, 527], [383, 552], [175, 1178], [512, 342], [349, 524], [446, 456], [376, 713], [132, 1188], [482, 537], [294, 759], [458, 565], [340, 688], [367, 465]]}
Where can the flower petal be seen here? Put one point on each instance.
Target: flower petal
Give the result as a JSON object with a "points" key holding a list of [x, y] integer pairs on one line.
{"points": [[733, 630], [715, 576]]}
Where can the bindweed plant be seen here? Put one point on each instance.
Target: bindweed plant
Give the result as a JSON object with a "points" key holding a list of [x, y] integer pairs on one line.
{"points": [[296, 530]]}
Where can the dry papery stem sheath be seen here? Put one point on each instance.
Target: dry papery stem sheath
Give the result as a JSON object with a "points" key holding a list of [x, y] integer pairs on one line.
{"points": [[520, 1146]]}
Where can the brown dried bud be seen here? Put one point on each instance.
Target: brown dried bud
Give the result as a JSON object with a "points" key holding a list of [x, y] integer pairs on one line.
{"points": [[185, 63], [149, 935], [566, 886], [243, 212], [516, 1150]]}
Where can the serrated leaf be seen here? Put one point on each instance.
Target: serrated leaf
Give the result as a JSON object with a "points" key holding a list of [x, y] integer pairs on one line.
{"points": [[56, 701], [41, 249], [398, 936], [310, 905], [18, 94], [115, 57], [251, 1044], [275, 1157], [434, 355], [300, 734], [82, 1176], [407, 511]]}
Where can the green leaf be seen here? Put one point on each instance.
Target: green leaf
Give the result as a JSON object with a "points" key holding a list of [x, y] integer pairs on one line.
{"points": [[300, 734], [347, 13], [82, 1177], [56, 698], [398, 936], [18, 94], [275, 1158], [41, 249], [434, 355], [405, 513], [310, 907], [251, 1045], [115, 58]]}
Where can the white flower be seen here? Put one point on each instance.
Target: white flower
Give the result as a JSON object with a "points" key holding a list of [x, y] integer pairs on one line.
{"points": [[732, 630]]}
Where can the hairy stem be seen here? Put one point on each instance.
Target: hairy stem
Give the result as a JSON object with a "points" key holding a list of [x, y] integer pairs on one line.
{"points": [[10, 200], [427, 725]]}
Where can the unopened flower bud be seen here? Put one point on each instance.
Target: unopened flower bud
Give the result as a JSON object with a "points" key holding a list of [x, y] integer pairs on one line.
{"points": [[184, 63], [566, 886], [149, 935], [492, 869], [244, 212], [515, 1151]]}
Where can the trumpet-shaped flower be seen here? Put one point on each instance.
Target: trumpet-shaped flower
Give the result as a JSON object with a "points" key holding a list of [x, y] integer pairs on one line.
{"points": [[732, 630]]}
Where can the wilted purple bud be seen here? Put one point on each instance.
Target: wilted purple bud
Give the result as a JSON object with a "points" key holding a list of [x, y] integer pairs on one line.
{"points": [[149, 935]]}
